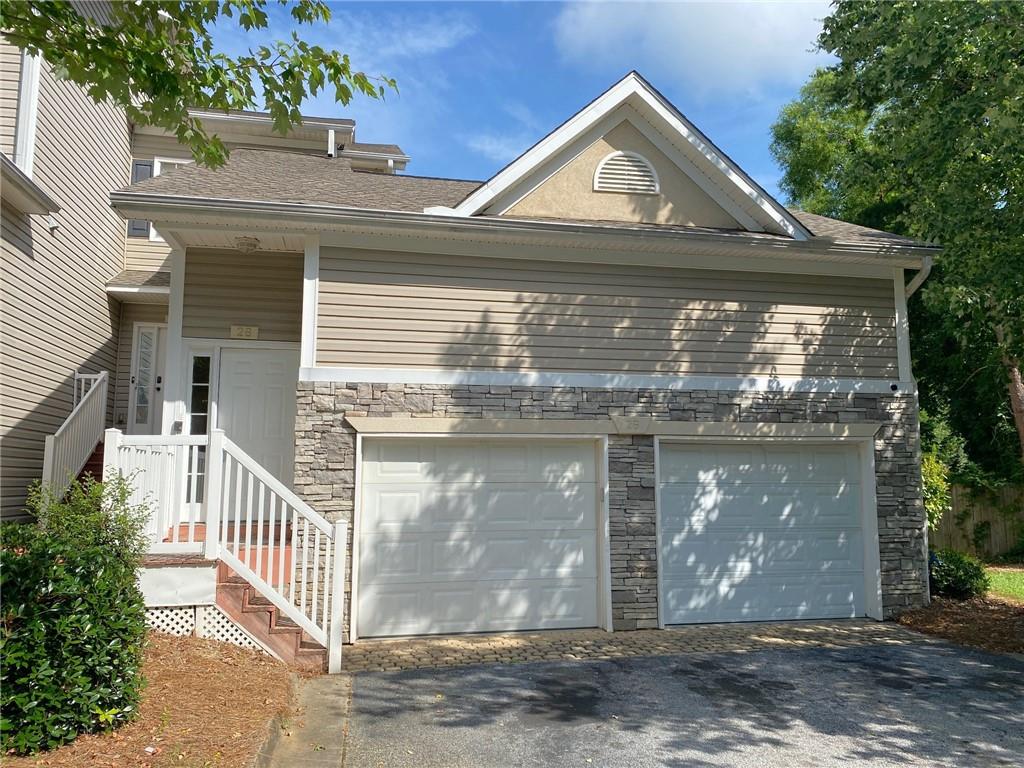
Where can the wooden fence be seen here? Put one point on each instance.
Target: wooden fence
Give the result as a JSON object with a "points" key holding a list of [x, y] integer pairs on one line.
{"points": [[984, 524]]}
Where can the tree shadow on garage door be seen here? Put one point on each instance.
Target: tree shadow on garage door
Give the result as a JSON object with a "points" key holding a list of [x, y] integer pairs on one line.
{"points": [[927, 705]]}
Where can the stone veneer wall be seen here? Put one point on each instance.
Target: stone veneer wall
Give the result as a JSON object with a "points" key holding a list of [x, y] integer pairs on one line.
{"points": [[325, 461]]}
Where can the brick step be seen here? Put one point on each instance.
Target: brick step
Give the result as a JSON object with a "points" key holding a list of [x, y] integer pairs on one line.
{"points": [[94, 464]]}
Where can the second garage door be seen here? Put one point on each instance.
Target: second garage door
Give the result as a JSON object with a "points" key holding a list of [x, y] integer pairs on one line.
{"points": [[460, 535], [759, 532]]}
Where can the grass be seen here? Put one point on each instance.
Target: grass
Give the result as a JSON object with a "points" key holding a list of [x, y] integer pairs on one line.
{"points": [[1007, 582]]}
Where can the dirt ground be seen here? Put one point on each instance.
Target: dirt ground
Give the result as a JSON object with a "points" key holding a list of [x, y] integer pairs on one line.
{"points": [[989, 623], [206, 705]]}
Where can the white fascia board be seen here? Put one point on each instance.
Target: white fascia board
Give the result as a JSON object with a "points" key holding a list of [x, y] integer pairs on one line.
{"points": [[778, 384], [635, 88]]}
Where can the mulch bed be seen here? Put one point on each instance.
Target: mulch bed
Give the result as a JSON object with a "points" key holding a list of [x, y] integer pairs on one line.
{"points": [[989, 623], [206, 704]]}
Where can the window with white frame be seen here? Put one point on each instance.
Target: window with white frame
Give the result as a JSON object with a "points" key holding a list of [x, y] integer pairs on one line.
{"points": [[146, 169]]}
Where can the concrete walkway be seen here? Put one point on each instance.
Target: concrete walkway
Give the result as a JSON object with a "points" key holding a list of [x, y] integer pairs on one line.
{"points": [[569, 645]]}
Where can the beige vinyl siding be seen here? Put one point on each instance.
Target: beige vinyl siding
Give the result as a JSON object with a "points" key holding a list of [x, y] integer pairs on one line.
{"points": [[130, 315], [57, 317], [10, 74], [225, 288], [404, 310]]}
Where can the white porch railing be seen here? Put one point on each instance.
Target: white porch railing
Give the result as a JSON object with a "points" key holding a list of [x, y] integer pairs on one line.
{"points": [[209, 496], [66, 451]]}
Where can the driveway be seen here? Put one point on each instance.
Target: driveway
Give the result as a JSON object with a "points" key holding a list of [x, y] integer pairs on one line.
{"points": [[907, 705], [889, 701]]}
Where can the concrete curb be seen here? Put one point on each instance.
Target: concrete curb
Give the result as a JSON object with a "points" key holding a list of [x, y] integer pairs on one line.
{"points": [[264, 757]]}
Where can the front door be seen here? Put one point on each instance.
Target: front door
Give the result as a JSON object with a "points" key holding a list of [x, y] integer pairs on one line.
{"points": [[256, 405], [146, 399]]}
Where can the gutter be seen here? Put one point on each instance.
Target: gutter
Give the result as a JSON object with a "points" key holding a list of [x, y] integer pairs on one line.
{"points": [[920, 277], [151, 204]]}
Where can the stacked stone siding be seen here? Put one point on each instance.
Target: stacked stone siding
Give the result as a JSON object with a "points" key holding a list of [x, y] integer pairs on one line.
{"points": [[325, 460]]}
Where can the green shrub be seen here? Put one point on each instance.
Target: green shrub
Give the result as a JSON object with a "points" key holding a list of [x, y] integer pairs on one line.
{"points": [[73, 619], [957, 575], [938, 499]]}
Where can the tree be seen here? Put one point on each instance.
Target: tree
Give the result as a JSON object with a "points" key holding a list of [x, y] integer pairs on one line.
{"points": [[157, 60], [919, 128]]}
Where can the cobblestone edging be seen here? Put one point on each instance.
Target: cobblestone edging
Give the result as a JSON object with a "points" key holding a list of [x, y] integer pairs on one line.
{"points": [[325, 460]]}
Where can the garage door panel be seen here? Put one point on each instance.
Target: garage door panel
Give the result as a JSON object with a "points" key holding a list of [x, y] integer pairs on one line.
{"points": [[761, 506], [446, 607], [491, 556], [471, 461], [759, 554], [760, 532], [735, 465], [488, 506], [740, 598]]}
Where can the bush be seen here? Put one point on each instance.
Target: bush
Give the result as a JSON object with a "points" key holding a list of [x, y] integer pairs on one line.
{"points": [[938, 499], [73, 617], [956, 575]]}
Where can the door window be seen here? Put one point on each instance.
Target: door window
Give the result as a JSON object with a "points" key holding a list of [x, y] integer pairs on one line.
{"points": [[145, 364]]}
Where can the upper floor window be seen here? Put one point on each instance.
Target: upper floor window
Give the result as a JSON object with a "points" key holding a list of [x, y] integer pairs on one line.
{"points": [[626, 172], [142, 170]]}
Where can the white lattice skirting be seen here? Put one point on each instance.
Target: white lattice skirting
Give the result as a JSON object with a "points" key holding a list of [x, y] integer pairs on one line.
{"points": [[202, 621]]}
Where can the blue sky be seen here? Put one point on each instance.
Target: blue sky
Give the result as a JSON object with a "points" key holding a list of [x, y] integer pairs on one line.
{"points": [[480, 82]]}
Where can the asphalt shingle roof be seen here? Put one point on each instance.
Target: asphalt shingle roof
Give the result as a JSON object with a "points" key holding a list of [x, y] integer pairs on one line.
{"points": [[275, 176]]}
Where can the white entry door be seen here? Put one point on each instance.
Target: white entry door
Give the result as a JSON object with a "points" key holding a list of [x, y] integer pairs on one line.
{"points": [[459, 535], [760, 532], [256, 405], [146, 397]]}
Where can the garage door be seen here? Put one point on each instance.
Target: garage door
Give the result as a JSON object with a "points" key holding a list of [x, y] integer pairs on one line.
{"points": [[462, 535], [758, 532]]}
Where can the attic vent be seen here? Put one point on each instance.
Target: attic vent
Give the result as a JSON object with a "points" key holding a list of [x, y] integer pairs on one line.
{"points": [[626, 172]]}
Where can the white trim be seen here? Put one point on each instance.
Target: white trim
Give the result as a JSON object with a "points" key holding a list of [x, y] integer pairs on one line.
{"points": [[174, 385], [163, 290], [357, 506], [902, 326], [918, 279], [603, 585], [28, 112], [659, 587], [310, 299], [869, 508], [631, 87], [636, 156], [602, 380], [604, 523]]}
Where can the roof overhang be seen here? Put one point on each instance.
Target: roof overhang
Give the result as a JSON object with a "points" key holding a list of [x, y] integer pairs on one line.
{"points": [[633, 91], [19, 191], [513, 238], [140, 287]]}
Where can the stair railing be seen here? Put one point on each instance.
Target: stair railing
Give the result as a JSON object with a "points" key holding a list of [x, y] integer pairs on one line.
{"points": [[211, 496], [66, 451]]}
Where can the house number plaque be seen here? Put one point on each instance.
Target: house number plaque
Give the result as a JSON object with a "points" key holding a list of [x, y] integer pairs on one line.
{"points": [[250, 332]]}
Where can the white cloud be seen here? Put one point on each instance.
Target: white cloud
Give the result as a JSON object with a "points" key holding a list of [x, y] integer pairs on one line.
{"points": [[501, 149], [710, 46]]}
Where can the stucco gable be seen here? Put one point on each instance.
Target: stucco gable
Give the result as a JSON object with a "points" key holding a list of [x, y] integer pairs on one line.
{"points": [[570, 191]]}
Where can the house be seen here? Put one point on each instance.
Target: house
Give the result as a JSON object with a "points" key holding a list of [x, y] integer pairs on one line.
{"points": [[615, 385]]}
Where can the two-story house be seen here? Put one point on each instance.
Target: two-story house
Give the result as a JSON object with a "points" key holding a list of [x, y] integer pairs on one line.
{"points": [[615, 385]]}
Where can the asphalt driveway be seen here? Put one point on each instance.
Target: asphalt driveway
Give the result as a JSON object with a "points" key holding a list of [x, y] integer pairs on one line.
{"points": [[928, 704]]}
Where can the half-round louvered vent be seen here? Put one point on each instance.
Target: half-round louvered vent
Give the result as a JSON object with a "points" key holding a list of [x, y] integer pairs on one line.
{"points": [[626, 172]]}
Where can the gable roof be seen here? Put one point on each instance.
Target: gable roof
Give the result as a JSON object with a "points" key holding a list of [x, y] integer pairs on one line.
{"points": [[695, 154], [273, 176]]}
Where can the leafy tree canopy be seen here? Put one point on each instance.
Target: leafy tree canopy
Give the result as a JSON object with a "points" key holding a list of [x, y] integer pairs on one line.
{"points": [[157, 60], [919, 129]]}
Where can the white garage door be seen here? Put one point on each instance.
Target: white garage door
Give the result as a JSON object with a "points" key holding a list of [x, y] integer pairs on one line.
{"points": [[462, 535], [759, 532]]}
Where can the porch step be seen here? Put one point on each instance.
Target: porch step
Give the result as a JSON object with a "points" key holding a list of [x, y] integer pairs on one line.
{"points": [[94, 464], [261, 618]]}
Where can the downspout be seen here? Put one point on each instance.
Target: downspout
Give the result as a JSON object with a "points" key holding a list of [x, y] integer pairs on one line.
{"points": [[920, 277]]}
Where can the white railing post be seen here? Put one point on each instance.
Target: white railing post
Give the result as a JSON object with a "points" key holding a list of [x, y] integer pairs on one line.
{"points": [[111, 443], [212, 493], [48, 462], [337, 598]]}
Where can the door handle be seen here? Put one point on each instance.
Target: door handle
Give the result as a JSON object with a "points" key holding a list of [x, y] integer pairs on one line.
{"points": [[159, 381]]}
